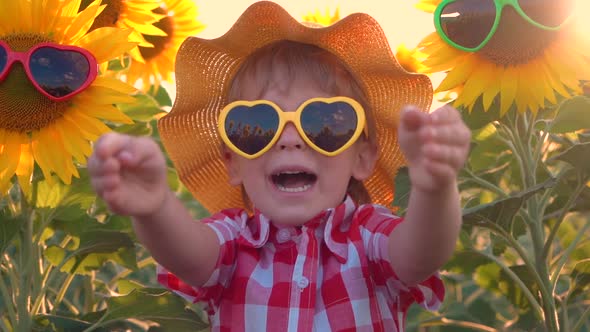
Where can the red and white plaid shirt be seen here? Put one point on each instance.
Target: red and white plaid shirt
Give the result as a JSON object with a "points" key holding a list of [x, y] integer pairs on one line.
{"points": [[331, 274]]}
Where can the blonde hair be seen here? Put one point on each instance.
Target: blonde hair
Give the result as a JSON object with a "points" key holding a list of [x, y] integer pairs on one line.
{"points": [[292, 59]]}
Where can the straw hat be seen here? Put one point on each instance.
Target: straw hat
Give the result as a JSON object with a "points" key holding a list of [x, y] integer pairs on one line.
{"points": [[205, 68]]}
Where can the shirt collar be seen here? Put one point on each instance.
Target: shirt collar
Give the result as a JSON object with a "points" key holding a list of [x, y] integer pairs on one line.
{"points": [[336, 222]]}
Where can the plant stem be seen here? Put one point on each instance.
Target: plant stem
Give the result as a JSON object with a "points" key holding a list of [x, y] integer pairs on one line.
{"points": [[525, 290], [582, 320], [566, 208], [27, 266], [452, 322], [8, 302], [62, 291], [486, 184], [529, 167]]}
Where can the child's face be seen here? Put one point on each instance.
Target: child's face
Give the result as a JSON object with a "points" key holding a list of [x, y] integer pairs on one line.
{"points": [[291, 183]]}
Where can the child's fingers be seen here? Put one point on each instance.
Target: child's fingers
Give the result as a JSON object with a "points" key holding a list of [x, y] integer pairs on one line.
{"points": [[445, 114], [457, 135], [138, 151], [445, 154], [441, 172], [412, 119], [106, 183], [110, 144]]}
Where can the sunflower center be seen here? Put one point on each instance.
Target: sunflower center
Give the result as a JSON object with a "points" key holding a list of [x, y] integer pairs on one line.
{"points": [[516, 41], [22, 107], [161, 43], [109, 16]]}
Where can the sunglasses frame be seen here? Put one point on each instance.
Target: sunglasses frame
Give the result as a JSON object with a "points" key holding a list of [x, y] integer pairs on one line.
{"points": [[295, 118], [499, 4], [25, 57]]}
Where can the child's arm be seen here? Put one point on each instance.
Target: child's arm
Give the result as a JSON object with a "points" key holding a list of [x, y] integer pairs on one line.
{"points": [[129, 174], [436, 146]]}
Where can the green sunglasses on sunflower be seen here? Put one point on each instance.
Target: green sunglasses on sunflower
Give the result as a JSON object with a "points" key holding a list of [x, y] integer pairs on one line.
{"points": [[327, 125], [468, 25]]}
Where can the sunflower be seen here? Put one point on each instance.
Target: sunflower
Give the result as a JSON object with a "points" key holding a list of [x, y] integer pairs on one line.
{"points": [[521, 64], [410, 59], [178, 22], [323, 19], [36, 129], [137, 15]]}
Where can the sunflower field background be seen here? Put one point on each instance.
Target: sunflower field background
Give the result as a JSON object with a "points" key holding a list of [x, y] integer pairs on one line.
{"points": [[67, 264]]}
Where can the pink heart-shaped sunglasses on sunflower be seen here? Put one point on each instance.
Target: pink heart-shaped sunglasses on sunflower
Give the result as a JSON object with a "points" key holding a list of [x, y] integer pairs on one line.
{"points": [[58, 71]]}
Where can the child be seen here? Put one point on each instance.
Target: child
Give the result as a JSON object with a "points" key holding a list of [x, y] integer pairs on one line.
{"points": [[297, 246]]}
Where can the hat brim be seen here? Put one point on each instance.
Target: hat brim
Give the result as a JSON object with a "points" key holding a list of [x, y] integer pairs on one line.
{"points": [[205, 68]]}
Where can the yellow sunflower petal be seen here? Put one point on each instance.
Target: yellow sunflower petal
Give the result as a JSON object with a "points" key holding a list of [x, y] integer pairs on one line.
{"points": [[493, 89], [11, 147], [24, 171], [41, 157], [428, 6], [114, 84], [509, 88], [91, 124], [108, 113], [107, 43], [82, 23], [102, 95], [475, 84], [458, 75], [73, 143]]}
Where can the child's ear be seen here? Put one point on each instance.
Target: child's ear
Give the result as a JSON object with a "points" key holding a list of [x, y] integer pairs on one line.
{"points": [[232, 167], [365, 162]]}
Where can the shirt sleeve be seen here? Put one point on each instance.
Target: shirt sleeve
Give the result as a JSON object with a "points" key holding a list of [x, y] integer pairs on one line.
{"points": [[377, 224], [226, 225]]}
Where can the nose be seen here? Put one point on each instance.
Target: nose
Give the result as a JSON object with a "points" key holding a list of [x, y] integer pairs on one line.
{"points": [[290, 139]]}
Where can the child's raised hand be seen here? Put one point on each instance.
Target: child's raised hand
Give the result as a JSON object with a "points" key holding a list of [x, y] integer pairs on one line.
{"points": [[435, 146], [129, 174]]}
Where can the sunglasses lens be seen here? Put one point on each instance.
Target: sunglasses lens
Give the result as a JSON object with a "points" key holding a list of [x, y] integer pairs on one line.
{"points": [[3, 58], [59, 72], [329, 126], [550, 13], [252, 128], [468, 22]]}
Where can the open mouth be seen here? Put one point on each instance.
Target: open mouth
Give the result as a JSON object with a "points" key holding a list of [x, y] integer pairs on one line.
{"points": [[293, 181]]}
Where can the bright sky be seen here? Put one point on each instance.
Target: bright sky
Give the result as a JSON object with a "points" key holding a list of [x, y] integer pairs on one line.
{"points": [[399, 19]]}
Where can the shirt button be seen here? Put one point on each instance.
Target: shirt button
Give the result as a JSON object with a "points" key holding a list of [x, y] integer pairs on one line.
{"points": [[302, 282], [283, 235]]}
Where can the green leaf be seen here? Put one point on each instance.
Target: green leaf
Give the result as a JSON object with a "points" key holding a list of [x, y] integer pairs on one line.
{"points": [[47, 323], [144, 109], [488, 149], [9, 228], [465, 262], [136, 129], [402, 188], [500, 213], [578, 156], [173, 179], [155, 305], [119, 64], [572, 115], [68, 202], [480, 117], [96, 247], [160, 95], [125, 286], [492, 277], [581, 278]]}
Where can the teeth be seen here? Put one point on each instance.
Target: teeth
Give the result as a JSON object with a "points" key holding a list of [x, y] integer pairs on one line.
{"points": [[291, 172], [294, 190]]}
